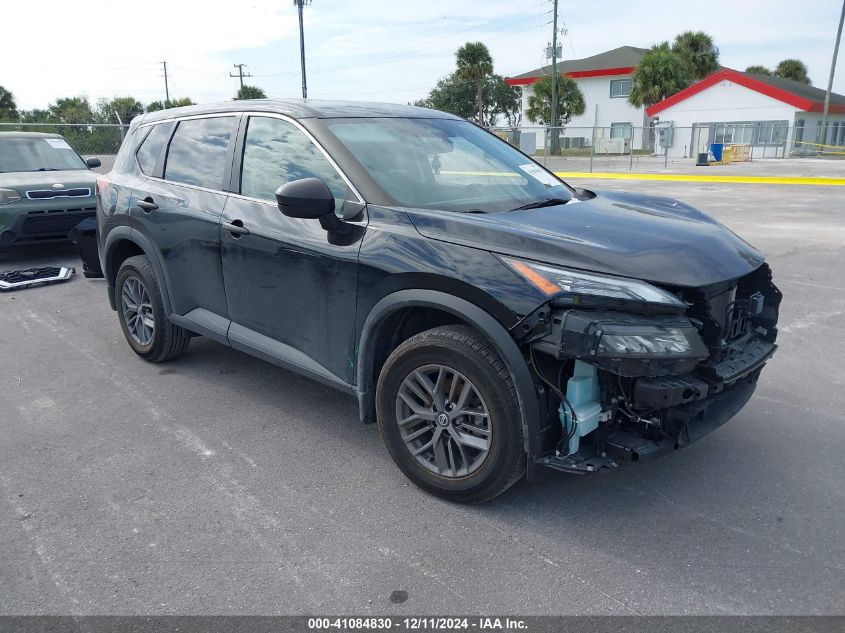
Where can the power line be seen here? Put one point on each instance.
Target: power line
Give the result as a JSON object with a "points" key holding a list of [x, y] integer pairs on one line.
{"points": [[241, 74]]}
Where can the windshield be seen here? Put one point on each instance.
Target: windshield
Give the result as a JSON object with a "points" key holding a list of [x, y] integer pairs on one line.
{"points": [[446, 164], [37, 154]]}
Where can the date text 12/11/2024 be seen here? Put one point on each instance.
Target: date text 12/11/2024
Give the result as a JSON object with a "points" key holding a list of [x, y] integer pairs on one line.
{"points": [[416, 624]]}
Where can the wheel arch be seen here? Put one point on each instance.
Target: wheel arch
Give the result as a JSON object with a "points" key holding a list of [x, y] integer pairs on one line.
{"points": [[120, 244], [458, 310]]}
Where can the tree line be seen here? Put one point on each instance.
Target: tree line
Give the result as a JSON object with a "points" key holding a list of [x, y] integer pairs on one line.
{"points": [[82, 124], [78, 110]]}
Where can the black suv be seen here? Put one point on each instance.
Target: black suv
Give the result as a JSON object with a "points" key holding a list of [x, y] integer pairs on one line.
{"points": [[492, 319]]}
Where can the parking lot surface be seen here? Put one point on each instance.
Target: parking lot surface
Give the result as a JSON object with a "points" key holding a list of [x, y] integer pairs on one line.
{"points": [[220, 484]]}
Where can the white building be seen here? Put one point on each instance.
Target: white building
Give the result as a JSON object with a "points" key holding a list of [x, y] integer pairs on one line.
{"points": [[774, 116], [605, 81]]}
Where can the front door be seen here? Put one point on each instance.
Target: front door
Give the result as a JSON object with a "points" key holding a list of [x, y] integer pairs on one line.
{"points": [[290, 284]]}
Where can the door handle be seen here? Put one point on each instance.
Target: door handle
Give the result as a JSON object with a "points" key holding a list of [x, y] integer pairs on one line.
{"points": [[146, 205], [236, 228]]}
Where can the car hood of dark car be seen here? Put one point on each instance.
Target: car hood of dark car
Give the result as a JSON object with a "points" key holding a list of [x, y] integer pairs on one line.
{"points": [[29, 180], [645, 237]]}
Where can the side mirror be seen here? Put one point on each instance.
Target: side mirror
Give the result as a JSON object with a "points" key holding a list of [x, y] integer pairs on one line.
{"points": [[308, 198], [93, 162]]}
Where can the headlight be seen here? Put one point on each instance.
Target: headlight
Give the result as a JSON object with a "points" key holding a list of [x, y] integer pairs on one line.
{"points": [[572, 286], [8, 196], [626, 344], [655, 341]]}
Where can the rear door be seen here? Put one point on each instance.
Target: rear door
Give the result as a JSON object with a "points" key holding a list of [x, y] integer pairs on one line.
{"points": [[178, 209], [290, 284]]}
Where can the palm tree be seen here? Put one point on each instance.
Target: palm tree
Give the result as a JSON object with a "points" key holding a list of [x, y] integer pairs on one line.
{"points": [[758, 70], [661, 73], [570, 103], [250, 92], [475, 64], [698, 49], [8, 107], [793, 69]]}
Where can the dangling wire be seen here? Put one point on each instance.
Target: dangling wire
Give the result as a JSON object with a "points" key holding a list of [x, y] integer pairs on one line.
{"points": [[563, 399]]}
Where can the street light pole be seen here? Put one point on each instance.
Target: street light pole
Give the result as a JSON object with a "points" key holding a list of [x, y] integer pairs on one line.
{"points": [[555, 139], [299, 4], [832, 71]]}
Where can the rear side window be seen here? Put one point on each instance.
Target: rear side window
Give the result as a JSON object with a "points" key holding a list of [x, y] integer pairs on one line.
{"points": [[150, 150], [198, 152]]}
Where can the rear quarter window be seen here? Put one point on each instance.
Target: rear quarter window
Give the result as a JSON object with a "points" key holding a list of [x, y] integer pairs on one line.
{"points": [[152, 147]]}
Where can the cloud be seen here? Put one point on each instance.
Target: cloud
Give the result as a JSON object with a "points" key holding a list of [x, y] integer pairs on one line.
{"points": [[384, 50]]}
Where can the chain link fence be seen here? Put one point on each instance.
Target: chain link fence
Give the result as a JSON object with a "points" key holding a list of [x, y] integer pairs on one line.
{"points": [[617, 147], [626, 147], [98, 140]]}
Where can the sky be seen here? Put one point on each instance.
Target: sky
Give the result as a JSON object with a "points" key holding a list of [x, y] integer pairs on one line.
{"points": [[373, 50]]}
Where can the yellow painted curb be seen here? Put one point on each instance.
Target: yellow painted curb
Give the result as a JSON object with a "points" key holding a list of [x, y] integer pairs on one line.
{"points": [[749, 180]]}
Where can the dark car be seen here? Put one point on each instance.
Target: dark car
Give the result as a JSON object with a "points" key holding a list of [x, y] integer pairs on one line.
{"points": [[46, 188], [490, 318]]}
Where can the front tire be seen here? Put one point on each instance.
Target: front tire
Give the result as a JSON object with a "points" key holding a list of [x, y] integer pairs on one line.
{"points": [[140, 310], [448, 412]]}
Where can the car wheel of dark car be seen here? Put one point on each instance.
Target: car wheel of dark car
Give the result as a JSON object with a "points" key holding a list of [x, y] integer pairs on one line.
{"points": [[141, 313], [448, 412]]}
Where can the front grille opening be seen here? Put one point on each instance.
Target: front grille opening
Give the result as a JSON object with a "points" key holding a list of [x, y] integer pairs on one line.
{"points": [[49, 194], [54, 223]]}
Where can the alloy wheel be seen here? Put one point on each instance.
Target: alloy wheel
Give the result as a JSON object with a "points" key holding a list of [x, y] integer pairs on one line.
{"points": [[443, 421], [137, 311]]}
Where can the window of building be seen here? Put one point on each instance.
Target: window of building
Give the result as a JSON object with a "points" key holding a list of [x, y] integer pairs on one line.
{"points": [[799, 130], [620, 88], [150, 150], [198, 151], [277, 152], [620, 130], [738, 132], [769, 132]]}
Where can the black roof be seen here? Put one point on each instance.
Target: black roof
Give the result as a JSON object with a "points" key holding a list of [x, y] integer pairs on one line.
{"points": [[304, 109], [621, 57], [798, 88]]}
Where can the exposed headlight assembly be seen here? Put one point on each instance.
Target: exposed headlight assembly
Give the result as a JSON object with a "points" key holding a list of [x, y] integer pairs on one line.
{"points": [[8, 196], [626, 344], [571, 287]]}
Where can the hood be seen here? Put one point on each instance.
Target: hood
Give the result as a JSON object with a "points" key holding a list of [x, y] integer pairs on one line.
{"points": [[28, 180], [645, 237]]}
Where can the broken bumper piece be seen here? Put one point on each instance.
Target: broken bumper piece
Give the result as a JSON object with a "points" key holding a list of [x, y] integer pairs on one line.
{"points": [[686, 424], [16, 279]]}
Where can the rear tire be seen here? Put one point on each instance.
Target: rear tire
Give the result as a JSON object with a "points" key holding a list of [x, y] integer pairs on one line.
{"points": [[140, 310], [448, 412]]}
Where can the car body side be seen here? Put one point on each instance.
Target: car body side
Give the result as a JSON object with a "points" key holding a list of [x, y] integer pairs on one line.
{"points": [[402, 281]]}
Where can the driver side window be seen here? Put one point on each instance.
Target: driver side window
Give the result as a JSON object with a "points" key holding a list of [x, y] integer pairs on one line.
{"points": [[277, 152]]}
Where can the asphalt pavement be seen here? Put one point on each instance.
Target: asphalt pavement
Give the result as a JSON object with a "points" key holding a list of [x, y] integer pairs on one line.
{"points": [[219, 484]]}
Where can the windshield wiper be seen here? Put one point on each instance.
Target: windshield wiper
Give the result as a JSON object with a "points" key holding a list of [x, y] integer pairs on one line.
{"points": [[548, 202], [47, 169]]}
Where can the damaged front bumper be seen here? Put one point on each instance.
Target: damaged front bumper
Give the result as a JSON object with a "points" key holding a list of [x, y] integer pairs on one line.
{"points": [[622, 387]]}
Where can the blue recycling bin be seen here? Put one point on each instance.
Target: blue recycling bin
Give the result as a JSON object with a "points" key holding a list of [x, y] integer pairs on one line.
{"points": [[716, 150]]}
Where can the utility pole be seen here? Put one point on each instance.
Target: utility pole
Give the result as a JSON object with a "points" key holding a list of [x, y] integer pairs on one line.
{"points": [[299, 4], [832, 71], [555, 133], [166, 88], [241, 74]]}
